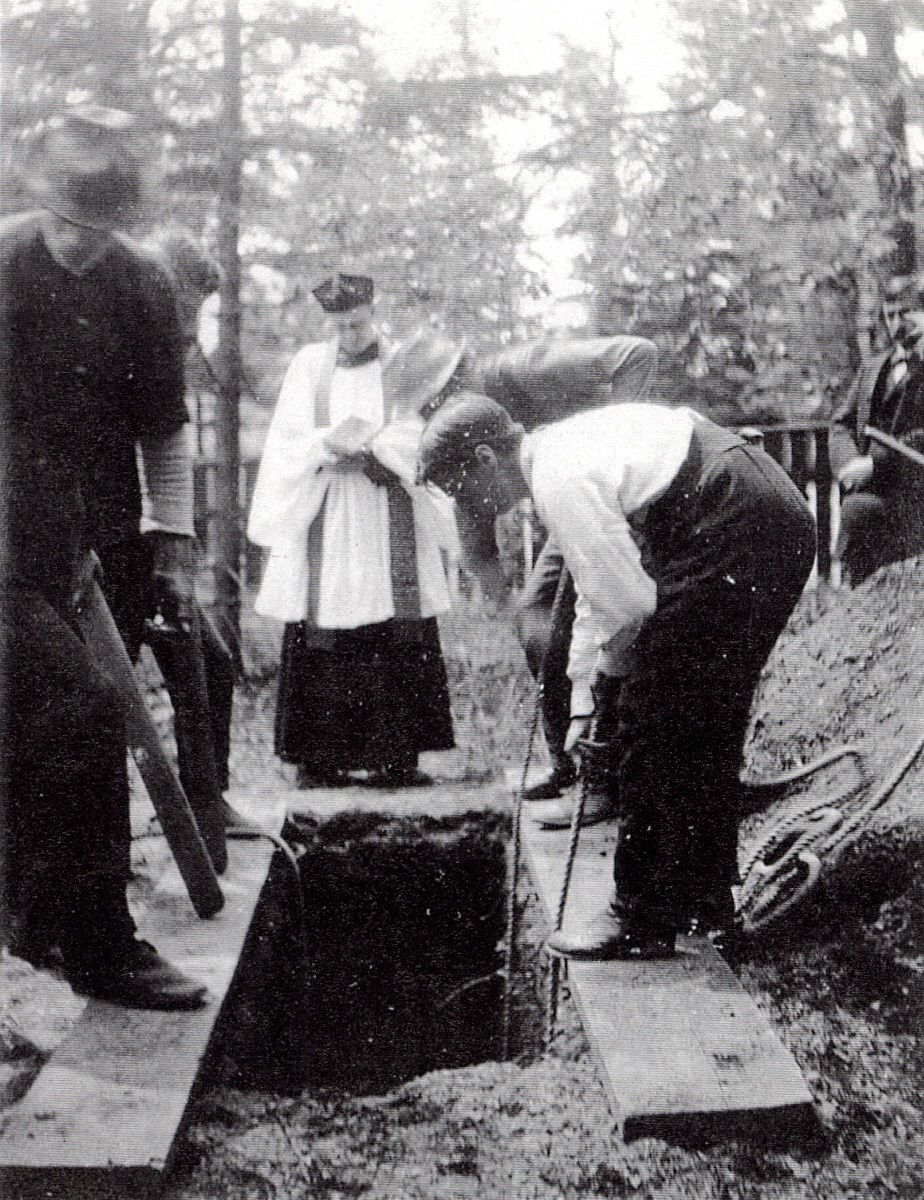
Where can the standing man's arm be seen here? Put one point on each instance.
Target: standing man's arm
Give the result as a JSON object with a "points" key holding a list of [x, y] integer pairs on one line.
{"points": [[168, 471], [164, 440]]}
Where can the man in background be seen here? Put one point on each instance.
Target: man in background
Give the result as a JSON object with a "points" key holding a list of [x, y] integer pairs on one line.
{"points": [[882, 512]]}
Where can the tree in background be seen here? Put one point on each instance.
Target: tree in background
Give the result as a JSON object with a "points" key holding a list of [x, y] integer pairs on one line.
{"points": [[747, 226]]}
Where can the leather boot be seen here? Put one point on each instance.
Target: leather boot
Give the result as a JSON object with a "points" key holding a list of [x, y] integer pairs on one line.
{"points": [[607, 937], [552, 784], [557, 814], [135, 975]]}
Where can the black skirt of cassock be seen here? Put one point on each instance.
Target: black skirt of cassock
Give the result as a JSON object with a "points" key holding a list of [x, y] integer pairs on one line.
{"points": [[362, 698]]}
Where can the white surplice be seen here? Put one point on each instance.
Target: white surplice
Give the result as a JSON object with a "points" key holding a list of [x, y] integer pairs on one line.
{"points": [[295, 480]]}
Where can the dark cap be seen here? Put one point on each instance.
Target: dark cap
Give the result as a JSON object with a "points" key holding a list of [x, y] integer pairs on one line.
{"points": [[83, 168], [341, 293]]}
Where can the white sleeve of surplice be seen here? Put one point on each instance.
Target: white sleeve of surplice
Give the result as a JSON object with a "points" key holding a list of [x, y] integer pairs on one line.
{"points": [[291, 484]]}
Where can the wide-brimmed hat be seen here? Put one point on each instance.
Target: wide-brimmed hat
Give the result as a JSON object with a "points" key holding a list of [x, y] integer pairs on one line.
{"points": [[83, 167], [418, 370]]}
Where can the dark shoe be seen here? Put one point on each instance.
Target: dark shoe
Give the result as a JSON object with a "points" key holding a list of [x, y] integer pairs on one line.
{"points": [[714, 915], [551, 785], [138, 978], [598, 806], [607, 937], [400, 777]]}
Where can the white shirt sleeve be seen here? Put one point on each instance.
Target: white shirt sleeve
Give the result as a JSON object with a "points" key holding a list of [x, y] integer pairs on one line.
{"points": [[615, 594], [588, 475]]}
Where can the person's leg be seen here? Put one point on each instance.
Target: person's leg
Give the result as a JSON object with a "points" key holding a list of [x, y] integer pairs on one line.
{"points": [[68, 817], [126, 584], [220, 674], [728, 579], [545, 636], [723, 599], [866, 539]]}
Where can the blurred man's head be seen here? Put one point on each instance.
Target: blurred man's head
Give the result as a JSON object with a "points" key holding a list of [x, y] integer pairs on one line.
{"points": [[196, 275], [903, 308], [87, 177]]}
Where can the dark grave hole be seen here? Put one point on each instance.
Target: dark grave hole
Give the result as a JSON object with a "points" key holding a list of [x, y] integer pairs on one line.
{"points": [[399, 970]]}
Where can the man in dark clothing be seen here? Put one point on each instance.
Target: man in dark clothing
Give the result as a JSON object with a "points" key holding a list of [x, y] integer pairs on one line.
{"points": [[689, 550], [538, 382], [92, 370], [882, 514]]}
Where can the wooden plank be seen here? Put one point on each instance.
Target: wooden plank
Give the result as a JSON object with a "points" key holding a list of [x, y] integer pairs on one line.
{"points": [[112, 1096], [681, 1045]]}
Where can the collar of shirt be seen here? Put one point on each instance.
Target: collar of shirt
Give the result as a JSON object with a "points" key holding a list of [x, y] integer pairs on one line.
{"points": [[370, 354]]}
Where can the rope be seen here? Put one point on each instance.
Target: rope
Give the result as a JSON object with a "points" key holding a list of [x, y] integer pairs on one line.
{"points": [[787, 861], [577, 817], [511, 931]]}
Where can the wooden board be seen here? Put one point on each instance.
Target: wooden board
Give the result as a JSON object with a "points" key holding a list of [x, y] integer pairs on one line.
{"points": [[106, 1107], [682, 1046]]}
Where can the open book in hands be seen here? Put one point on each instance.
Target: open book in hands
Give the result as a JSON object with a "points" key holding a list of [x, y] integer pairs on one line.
{"points": [[350, 436]]}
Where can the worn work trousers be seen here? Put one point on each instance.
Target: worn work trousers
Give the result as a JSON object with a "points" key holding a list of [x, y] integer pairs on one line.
{"points": [[67, 811], [730, 547], [877, 529]]}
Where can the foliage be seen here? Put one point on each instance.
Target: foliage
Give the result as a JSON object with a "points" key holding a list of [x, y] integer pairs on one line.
{"points": [[746, 227]]}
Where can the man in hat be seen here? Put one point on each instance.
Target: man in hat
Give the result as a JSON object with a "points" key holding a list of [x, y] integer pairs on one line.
{"points": [[355, 568], [689, 550], [92, 371], [882, 512]]}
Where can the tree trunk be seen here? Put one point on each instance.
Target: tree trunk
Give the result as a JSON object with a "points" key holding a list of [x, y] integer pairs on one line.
{"points": [[881, 75], [227, 478]]}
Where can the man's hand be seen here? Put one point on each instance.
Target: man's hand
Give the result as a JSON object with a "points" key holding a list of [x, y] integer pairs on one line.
{"points": [[174, 580], [856, 473]]}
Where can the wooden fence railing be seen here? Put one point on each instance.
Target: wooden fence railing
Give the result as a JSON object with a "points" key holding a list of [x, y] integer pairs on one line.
{"points": [[800, 447]]}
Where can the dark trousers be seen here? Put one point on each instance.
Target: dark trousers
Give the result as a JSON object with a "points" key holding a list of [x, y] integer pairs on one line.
{"points": [[67, 808], [877, 529], [545, 636], [730, 547], [127, 584]]}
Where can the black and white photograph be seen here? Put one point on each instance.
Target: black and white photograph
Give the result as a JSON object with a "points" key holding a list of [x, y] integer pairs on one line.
{"points": [[462, 623]]}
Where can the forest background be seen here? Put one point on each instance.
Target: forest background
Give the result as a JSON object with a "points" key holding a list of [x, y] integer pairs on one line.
{"points": [[742, 210]]}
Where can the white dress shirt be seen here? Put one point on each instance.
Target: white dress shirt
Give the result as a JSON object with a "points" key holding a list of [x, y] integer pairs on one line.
{"points": [[588, 475]]}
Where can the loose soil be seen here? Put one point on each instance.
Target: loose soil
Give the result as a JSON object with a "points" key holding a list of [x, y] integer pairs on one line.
{"points": [[842, 980]]}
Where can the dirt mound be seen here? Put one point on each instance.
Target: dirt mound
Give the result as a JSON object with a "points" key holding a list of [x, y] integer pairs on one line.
{"points": [[854, 672]]}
